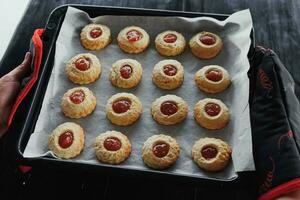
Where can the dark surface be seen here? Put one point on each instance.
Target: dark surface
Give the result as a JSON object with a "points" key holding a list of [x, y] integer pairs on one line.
{"points": [[277, 26]]}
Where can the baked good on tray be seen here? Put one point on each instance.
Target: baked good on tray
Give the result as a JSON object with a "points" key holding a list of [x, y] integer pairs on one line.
{"points": [[168, 74], [83, 68], [169, 110], [211, 113], [170, 43], [133, 39], [95, 36], [66, 140], [126, 73], [112, 147], [160, 151], [78, 102], [123, 109], [206, 45], [212, 79], [211, 154]]}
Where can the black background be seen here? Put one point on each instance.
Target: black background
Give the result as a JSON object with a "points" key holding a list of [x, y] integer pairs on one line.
{"points": [[277, 26]]}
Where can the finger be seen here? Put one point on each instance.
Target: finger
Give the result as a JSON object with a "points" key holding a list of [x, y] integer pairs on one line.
{"points": [[19, 72]]}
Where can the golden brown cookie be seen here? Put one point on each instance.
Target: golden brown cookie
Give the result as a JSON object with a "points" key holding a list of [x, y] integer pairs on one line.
{"points": [[123, 109], [206, 45], [95, 36], [169, 110], [66, 140], [211, 154], [168, 74], [83, 68], [160, 151], [212, 79], [126, 73], [78, 102], [211, 113], [170, 43], [112, 147], [133, 39]]}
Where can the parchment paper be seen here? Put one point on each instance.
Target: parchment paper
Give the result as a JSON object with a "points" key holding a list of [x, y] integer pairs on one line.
{"points": [[235, 33]]}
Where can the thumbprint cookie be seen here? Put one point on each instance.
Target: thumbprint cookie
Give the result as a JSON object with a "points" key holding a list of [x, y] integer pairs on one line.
{"points": [[133, 39], [160, 151], [168, 74], [169, 110], [170, 43], [112, 147], [211, 154], [95, 36], [126, 73], [123, 109], [211, 113], [66, 140], [212, 79], [206, 45], [83, 68], [78, 102]]}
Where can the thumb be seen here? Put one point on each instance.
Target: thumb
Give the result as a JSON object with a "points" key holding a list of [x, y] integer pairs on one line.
{"points": [[19, 72]]}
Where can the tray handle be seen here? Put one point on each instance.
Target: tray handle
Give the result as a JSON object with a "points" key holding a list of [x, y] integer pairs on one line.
{"points": [[37, 59]]}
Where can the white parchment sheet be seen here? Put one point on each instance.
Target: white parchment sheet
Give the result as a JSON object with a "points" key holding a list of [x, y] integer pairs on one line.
{"points": [[235, 33]]}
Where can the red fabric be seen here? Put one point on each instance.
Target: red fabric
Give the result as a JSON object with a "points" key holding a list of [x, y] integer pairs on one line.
{"points": [[24, 168], [38, 44], [281, 190], [38, 53]]}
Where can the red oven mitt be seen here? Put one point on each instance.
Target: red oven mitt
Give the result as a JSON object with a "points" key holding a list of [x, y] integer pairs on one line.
{"points": [[28, 83], [275, 121], [37, 59]]}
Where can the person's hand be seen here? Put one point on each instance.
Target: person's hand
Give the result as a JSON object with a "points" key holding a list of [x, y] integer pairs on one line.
{"points": [[9, 89], [295, 195]]}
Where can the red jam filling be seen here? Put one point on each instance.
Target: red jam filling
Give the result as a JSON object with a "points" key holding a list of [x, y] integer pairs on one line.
{"points": [[121, 106], [209, 152], [214, 75], [77, 97], [212, 109], [112, 144], [65, 140], [82, 64], [97, 32], [208, 39], [170, 70], [168, 108], [161, 149], [134, 35], [170, 38], [126, 71]]}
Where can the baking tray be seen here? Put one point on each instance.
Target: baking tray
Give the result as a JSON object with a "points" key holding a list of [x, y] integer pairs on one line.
{"points": [[49, 38]]}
